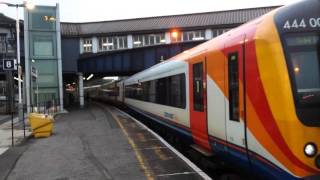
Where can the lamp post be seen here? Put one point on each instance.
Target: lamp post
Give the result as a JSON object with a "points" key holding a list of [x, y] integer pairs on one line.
{"points": [[28, 6]]}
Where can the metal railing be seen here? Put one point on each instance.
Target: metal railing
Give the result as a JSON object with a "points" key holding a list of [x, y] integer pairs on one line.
{"points": [[46, 107]]}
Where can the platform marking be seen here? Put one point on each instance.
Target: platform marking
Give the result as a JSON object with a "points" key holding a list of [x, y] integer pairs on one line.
{"points": [[133, 125], [176, 174], [186, 160], [134, 147], [3, 149], [162, 155], [154, 147], [141, 137]]}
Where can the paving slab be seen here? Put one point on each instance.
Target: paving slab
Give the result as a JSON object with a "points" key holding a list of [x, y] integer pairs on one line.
{"points": [[98, 142]]}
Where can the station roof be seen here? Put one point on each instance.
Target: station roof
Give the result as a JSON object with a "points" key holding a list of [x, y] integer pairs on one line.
{"points": [[160, 23], [4, 20]]}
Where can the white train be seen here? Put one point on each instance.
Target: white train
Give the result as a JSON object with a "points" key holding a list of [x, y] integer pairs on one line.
{"points": [[250, 96]]}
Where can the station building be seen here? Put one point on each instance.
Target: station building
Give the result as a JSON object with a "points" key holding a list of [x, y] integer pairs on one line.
{"points": [[124, 47]]}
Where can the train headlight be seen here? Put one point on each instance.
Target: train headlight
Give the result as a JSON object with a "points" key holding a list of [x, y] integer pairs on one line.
{"points": [[310, 150]]}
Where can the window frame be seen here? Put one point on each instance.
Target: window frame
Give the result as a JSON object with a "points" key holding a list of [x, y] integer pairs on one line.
{"points": [[160, 95], [87, 45], [3, 43], [234, 87], [198, 79]]}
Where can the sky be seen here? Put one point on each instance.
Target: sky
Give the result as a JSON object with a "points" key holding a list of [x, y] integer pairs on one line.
{"points": [[104, 10]]}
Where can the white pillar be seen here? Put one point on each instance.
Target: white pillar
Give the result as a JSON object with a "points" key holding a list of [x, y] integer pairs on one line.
{"points": [[27, 59], [208, 34], [130, 41], [59, 57], [168, 37], [81, 45], [95, 44], [81, 100]]}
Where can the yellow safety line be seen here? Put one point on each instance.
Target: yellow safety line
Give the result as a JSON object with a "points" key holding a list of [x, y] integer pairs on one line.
{"points": [[134, 147]]}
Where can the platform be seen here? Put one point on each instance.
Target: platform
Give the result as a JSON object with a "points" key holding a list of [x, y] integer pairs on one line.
{"points": [[100, 142]]}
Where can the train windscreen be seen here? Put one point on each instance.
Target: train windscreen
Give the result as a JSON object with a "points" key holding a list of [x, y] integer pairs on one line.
{"points": [[299, 29], [304, 54]]}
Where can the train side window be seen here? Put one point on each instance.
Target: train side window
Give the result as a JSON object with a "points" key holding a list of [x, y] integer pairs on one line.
{"points": [[161, 95], [198, 87], [233, 86], [177, 91], [169, 91]]}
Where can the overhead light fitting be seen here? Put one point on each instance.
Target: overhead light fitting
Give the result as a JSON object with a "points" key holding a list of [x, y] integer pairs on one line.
{"points": [[111, 78], [89, 77], [29, 5], [198, 38], [87, 45], [107, 44]]}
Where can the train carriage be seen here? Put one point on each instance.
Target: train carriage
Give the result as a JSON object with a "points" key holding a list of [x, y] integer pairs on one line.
{"points": [[250, 96]]}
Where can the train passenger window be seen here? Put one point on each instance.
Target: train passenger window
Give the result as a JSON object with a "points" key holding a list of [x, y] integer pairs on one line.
{"points": [[177, 91], [145, 90], [233, 86], [161, 95], [169, 91], [152, 91], [198, 87]]}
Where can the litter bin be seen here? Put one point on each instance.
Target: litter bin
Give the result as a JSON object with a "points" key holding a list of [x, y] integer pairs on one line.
{"points": [[41, 124]]}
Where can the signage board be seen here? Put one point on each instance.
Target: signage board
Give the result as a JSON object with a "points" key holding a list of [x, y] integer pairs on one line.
{"points": [[9, 64]]}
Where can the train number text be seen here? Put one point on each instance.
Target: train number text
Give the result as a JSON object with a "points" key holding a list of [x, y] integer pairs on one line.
{"points": [[302, 23]]}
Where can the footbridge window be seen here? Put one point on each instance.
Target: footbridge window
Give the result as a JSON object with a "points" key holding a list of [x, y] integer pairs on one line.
{"points": [[113, 43], [87, 45], [194, 35], [2, 43], [218, 32], [148, 39]]}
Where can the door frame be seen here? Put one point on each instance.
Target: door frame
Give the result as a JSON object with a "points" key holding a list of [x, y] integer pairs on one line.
{"points": [[237, 45], [199, 129]]}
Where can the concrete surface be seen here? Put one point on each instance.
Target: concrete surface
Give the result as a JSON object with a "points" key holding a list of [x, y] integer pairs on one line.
{"points": [[4, 118], [97, 142], [6, 134], [85, 145]]}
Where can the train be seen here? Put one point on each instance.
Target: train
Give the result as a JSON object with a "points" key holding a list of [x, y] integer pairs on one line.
{"points": [[250, 96]]}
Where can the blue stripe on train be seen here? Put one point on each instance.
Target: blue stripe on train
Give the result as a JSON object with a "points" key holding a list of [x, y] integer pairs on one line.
{"points": [[259, 167]]}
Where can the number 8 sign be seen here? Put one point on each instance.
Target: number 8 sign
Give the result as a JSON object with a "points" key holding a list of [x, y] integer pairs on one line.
{"points": [[8, 64]]}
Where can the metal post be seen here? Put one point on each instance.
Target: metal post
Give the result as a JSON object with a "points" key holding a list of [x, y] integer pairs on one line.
{"points": [[10, 92], [12, 135], [37, 91], [20, 105], [31, 88], [81, 90], [24, 124]]}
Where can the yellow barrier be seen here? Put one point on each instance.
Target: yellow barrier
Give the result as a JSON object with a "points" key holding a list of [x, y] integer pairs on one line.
{"points": [[41, 125]]}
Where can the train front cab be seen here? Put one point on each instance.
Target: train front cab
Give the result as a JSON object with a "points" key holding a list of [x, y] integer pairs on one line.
{"points": [[268, 77], [283, 93]]}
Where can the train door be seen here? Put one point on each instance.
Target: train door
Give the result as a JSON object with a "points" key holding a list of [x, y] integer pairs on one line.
{"points": [[235, 107], [198, 104]]}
